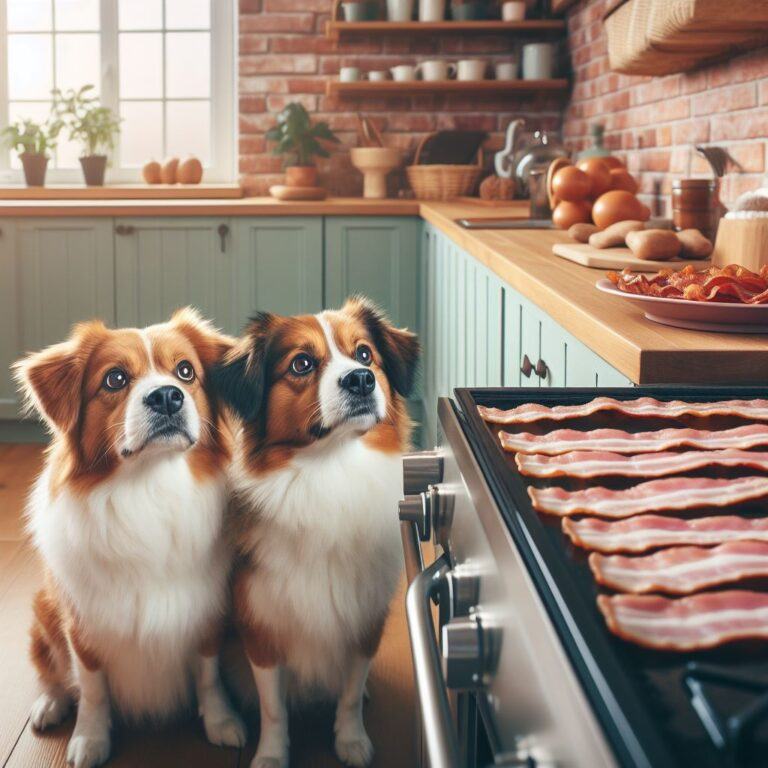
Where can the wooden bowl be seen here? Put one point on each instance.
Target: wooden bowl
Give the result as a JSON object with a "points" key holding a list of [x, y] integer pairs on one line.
{"points": [[743, 242], [375, 163]]}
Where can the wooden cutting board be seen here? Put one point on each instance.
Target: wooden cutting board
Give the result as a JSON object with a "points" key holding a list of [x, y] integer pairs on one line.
{"points": [[617, 258], [282, 192]]}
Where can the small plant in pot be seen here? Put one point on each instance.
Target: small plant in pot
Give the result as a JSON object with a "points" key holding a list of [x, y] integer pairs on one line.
{"points": [[33, 141], [298, 139], [93, 125]]}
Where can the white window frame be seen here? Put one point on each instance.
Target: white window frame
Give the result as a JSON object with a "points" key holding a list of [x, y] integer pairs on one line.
{"points": [[222, 166]]}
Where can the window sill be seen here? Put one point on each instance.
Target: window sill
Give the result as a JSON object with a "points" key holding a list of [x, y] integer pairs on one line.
{"points": [[124, 192]]}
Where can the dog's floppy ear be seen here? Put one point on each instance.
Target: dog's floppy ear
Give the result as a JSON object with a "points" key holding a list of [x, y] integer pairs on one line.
{"points": [[399, 348], [209, 342], [240, 378], [51, 381]]}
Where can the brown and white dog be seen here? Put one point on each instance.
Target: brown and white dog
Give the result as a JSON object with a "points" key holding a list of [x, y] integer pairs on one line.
{"points": [[317, 474], [128, 516]]}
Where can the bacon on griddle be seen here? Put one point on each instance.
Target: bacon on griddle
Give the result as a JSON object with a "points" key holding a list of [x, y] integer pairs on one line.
{"points": [[682, 570], [642, 406], [639, 534], [619, 441], [687, 623], [672, 493], [586, 464]]}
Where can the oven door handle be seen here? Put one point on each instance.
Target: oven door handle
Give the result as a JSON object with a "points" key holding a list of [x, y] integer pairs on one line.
{"points": [[439, 733]]}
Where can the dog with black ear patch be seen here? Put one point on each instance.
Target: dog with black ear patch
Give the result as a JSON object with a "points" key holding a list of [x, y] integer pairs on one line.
{"points": [[317, 475]]}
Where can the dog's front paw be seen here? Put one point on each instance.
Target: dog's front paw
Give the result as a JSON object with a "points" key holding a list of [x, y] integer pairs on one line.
{"points": [[354, 748], [49, 709], [228, 731], [88, 750]]}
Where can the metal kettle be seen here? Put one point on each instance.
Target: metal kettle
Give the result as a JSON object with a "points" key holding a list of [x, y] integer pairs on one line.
{"points": [[538, 152]]}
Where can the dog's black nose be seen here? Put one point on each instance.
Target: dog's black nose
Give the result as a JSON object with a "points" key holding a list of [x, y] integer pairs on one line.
{"points": [[166, 400], [361, 382]]}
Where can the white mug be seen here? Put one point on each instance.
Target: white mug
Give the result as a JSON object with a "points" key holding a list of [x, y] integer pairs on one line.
{"points": [[436, 70], [377, 75], [471, 69], [349, 74], [538, 61], [431, 10], [399, 10], [513, 10], [506, 70], [403, 73]]}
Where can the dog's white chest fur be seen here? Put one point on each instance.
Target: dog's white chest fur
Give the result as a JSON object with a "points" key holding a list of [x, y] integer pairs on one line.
{"points": [[143, 563], [325, 542]]}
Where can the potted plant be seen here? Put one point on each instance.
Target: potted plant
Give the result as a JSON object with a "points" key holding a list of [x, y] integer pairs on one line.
{"points": [[93, 125], [32, 141], [299, 141]]}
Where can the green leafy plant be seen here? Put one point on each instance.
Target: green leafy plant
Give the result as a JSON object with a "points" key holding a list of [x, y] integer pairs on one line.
{"points": [[94, 126], [297, 138], [27, 136]]}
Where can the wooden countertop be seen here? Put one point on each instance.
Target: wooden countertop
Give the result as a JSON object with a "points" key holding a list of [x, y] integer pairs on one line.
{"points": [[644, 351]]}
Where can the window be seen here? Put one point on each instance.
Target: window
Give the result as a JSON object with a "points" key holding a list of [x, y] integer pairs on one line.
{"points": [[165, 66]]}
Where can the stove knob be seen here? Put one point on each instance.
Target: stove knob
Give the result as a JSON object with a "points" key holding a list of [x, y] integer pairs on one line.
{"points": [[463, 653], [420, 470], [464, 586], [414, 509]]}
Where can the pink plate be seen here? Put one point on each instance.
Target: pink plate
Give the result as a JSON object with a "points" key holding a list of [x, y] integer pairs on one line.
{"points": [[697, 315]]}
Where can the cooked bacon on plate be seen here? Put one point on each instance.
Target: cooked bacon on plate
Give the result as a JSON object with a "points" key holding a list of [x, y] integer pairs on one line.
{"points": [[619, 441], [642, 406], [732, 284], [652, 531], [687, 623], [601, 464], [673, 493], [682, 570]]}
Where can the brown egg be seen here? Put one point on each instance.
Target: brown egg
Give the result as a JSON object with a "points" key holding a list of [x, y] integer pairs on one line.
{"points": [[618, 205], [612, 162], [168, 170], [190, 171], [569, 213], [599, 175], [570, 184], [151, 172], [621, 178]]}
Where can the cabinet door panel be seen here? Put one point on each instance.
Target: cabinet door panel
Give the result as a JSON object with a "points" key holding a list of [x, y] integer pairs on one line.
{"points": [[552, 353], [511, 355], [10, 340], [530, 341]]}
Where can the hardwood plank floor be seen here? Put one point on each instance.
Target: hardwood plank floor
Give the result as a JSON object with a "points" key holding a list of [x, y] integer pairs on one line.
{"points": [[389, 714]]}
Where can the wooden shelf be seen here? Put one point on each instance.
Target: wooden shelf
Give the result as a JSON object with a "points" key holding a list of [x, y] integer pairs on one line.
{"points": [[475, 87], [334, 30], [124, 192]]}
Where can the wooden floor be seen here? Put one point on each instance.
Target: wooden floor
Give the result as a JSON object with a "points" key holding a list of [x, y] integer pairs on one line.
{"points": [[389, 714]]}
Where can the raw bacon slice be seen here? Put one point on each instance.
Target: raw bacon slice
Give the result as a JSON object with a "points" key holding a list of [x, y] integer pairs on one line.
{"points": [[619, 441], [642, 406], [687, 623], [602, 464], [673, 493], [682, 570], [651, 531]]}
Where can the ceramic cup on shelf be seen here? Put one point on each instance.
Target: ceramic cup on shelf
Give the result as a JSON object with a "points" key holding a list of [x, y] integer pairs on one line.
{"points": [[403, 73], [471, 69], [354, 11], [431, 10], [377, 75], [436, 70], [513, 10], [506, 70], [538, 61], [349, 74], [400, 10]]}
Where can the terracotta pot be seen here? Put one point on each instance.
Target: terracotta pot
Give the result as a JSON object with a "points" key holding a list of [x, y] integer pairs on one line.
{"points": [[94, 167], [34, 168], [301, 176]]}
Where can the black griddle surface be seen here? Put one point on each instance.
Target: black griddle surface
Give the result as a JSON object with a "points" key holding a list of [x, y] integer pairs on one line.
{"points": [[639, 695]]}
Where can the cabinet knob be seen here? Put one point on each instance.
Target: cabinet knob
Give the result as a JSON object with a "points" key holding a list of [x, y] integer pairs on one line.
{"points": [[527, 367], [223, 231], [124, 229], [541, 369]]}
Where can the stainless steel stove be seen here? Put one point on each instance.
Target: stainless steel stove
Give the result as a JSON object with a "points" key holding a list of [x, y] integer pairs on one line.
{"points": [[513, 663]]}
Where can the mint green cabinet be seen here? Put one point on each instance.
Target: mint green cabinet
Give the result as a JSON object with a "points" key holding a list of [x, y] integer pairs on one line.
{"points": [[278, 266]]}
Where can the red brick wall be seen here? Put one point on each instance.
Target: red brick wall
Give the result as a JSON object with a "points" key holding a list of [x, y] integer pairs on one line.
{"points": [[653, 122], [284, 56]]}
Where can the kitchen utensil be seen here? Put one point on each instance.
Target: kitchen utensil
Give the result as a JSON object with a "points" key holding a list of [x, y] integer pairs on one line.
{"points": [[617, 258], [538, 61], [368, 133], [349, 74], [452, 147], [471, 69], [539, 149], [743, 242], [377, 76], [375, 163], [507, 223], [696, 315], [513, 10], [506, 70], [400, 10], [717, 157], [696, 205], [403, 73], [283, 192], [435, 70], [431, 10]]}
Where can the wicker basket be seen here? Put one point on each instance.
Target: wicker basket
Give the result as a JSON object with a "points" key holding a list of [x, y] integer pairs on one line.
{"points": [[442, 182]]}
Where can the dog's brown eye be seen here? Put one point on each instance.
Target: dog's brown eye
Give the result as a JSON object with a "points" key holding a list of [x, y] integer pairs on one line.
{"points": [[185, 371], [302, 364], [364, 355], [115, 379]]}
